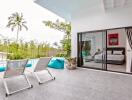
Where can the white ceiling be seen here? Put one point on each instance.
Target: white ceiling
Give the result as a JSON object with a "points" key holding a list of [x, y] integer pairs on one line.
{"points": [[70, 8], [108, 4]]}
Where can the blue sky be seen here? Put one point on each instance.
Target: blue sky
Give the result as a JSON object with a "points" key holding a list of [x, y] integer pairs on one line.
{"points": [[34, 15]]}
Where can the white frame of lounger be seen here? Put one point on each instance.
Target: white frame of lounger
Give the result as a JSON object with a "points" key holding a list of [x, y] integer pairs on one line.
{"points": [[12, 92], [44, 68]]}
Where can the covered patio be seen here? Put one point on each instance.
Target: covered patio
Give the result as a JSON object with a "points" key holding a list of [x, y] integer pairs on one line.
{"points": [[80, 84], [93, 16]]}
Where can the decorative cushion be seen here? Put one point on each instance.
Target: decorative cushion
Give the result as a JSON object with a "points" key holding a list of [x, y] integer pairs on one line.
{"points": [[57, 63], [117, 52]]}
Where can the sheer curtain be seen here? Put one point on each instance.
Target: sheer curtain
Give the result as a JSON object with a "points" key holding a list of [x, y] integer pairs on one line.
{"points": [[129, 37]]}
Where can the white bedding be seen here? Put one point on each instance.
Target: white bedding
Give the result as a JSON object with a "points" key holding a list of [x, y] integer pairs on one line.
{"points": [[110, 57]]}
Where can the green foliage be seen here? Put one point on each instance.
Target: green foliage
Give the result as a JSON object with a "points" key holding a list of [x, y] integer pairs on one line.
{"points": [[86, 48], [66, 44], [17, 21], [61, 26], [64, 27], [17, 55], [62, 54], [24, 50]]}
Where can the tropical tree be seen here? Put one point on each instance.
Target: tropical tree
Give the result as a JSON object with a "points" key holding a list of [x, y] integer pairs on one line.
{"points": [[55, 44], [63, 27], [17, 21]]}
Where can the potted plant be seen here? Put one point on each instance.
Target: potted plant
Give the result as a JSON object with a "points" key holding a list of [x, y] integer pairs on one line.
{"points": [[71, 64]]}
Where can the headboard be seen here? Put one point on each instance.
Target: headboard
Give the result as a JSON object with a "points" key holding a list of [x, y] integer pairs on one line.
{"points": [[117, 49]]}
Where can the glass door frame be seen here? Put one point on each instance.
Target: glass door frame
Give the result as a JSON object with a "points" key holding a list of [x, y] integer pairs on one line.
{"points": [[79, 59], [79, 49]]}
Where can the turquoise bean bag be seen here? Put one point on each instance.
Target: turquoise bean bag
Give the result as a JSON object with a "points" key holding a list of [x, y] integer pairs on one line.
{"points": [[57, 63], [2, 68]]}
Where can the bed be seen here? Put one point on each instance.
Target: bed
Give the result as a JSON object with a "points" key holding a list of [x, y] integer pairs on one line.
{"points": [[114, 56]]}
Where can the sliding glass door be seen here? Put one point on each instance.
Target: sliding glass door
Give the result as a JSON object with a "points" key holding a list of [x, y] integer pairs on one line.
{"points": [[106, 50], [117, 50], [92, 50]]}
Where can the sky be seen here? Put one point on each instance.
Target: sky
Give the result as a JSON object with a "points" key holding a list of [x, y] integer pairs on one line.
{"points": [[34, 15]]}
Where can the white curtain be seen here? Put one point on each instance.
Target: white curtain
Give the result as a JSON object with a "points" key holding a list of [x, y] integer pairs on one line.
{"points": [[129, 37]]}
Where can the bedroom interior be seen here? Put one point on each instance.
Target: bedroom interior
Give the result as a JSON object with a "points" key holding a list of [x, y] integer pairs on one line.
{"points": [[105, 50]]}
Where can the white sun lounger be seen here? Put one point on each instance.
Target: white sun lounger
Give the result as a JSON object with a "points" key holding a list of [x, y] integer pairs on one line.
{"points": [[15, 68], [41, 65]]}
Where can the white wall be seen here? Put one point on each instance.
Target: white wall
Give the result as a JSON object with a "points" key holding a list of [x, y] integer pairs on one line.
{"points": [[121, 37], [89, 22], [128, 57]]}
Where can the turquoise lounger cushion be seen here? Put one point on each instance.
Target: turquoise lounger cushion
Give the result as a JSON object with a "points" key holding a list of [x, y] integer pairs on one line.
{"points": [[2, 68], [57, 63]]}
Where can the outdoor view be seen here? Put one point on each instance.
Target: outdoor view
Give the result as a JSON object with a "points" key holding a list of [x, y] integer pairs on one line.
{"points": [[32, 40], [33, 35], [20, 49]]}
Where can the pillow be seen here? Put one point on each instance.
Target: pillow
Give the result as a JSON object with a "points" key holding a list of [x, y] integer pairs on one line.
{"points": [[109, 52], [117, 52]]}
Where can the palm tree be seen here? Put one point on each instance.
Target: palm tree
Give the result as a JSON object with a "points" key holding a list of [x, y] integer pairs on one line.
{"points": [[17, 21]]}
